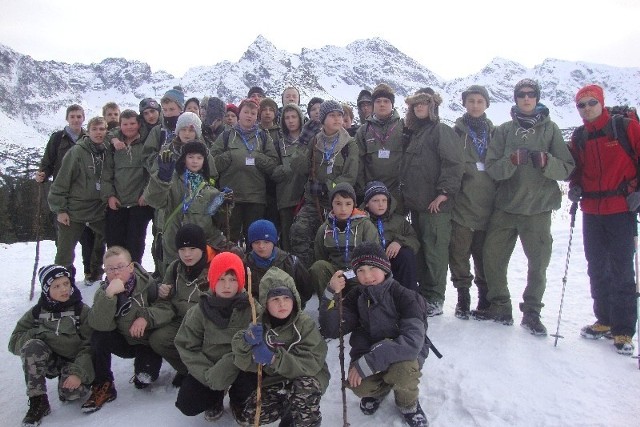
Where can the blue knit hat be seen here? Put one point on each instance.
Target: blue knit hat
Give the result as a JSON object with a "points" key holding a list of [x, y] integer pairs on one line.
{"points": [[176, 95], [263, 230]]}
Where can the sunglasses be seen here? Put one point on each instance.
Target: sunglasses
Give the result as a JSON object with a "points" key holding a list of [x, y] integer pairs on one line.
{"points": [[523, 94], [590, 103]]}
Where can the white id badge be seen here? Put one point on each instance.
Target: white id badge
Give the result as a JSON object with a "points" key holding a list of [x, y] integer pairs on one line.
{"points": [[98, 186], [329, 169], [349, 274], [250, 161], [383, 154], [480, 166]]}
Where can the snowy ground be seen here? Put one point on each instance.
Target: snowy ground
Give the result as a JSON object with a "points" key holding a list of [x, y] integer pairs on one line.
{"points": [[491, 375]]}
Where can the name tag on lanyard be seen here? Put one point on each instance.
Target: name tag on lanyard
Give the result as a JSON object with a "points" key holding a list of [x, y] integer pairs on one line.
{"points": [[480, 166], [250, 161], [383, 154]]}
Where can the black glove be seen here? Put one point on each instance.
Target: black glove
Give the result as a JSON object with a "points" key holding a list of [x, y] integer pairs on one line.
{"points": [[538, 159], [317, 188], [520, 157], [575, 193], [166, 166]]}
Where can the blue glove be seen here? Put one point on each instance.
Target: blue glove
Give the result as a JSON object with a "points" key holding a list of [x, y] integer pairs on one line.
{"points": [[575, 193], [166, 166], [253, 334], [262, 353]]}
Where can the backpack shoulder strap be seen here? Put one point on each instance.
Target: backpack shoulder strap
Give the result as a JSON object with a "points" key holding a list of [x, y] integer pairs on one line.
{"points": [[225, 139], [619, 126]]}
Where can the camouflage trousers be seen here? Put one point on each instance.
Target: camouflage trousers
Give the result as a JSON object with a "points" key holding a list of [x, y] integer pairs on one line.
{"points": [[401, 377], [300, 396], [39, 362], [303, 233]]}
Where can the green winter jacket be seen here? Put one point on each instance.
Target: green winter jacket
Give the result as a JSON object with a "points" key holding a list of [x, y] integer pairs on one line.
{"points": [[59, 143], [310, 162], [62, 336], [157, 137], [289, 185], [375, 135], [76, 189], [205, 347], [432, 165], [362, 230], [124, 175], [248, 182], [166, 197], [525, 190], [300, 350], [474, 202], [396, 228], [184, 295], [102, 316]]}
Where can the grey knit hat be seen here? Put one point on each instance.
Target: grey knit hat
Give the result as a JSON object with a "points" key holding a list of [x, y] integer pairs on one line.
{"points": [[343, 187], [329, 107], [189, 119], [526, 83], [480, 90]]}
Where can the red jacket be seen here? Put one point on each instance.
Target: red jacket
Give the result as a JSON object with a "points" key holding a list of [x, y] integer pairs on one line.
{"points": [[603, 165]]}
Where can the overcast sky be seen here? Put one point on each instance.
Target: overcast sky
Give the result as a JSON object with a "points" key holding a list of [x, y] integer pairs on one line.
{"points": [[452, 38]]}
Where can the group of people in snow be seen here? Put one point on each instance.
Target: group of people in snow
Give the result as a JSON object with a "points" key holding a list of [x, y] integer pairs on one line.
{"points": [[367, 217]]}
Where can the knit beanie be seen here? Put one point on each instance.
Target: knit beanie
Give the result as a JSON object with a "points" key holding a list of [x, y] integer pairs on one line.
{"points": [[191, 236], [187, 119], [215, 110], [256, 89], [370, 253], [343, 187], [232, 107], [194, 99], [176, 95], [315, 100], [49, 273], [280, 291], [148, 104], [480, 90], [526, 83], [222, 263], [364, 96], [263, 230], [383, 91], [593, 91], [329, 107], [374, 188]]}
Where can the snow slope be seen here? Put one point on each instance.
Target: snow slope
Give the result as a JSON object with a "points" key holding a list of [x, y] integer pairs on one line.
{"points": [[491, 375]]}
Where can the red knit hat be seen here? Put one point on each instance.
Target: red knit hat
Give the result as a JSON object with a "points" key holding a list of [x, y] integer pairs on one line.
{"points": [[232, 107], [222, 263], [594, 91]]}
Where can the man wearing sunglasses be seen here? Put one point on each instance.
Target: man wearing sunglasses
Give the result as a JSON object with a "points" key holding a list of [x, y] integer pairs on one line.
{"points": [[526, 158], [606, 152]]}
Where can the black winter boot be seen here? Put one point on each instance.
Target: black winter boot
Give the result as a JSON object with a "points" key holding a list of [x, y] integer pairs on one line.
{"points": [[463, 308], [38, 409], [483, 302], [531, 322]]}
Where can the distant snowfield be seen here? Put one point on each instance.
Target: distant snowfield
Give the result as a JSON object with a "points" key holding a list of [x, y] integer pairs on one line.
{"points": [[491, 375]]}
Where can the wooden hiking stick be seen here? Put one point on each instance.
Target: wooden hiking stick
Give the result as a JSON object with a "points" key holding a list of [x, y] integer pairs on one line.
{"points": [[345, 422], [228, 223], [254, 320], [36, 227]]}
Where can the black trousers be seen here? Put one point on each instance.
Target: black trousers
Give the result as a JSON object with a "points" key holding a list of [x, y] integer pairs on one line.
{"points": [[127, 227], [104, 344], [195, 397], [404, 269]]}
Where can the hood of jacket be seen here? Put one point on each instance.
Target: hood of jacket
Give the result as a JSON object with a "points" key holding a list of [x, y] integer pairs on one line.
{"points": [[276, 278]]}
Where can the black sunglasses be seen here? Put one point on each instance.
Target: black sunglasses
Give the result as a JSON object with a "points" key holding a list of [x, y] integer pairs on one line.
{"points": [[522, 94], [590, 103]]}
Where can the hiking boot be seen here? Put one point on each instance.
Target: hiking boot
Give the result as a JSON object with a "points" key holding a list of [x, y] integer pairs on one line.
{"points": [[100, 394], [488, 314], [483, 302], [416, 418], [532, 323], [237, 411], [215, 412], [178, 379], [595, 331], [434, 308], [369, 405], [463, 307], [38, 409], [623, 344]]}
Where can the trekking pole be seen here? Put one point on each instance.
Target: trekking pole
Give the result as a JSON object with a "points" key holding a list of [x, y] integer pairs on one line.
{"points": [[345, 422], [254, 320], [228, 222], [572, 212], [36, 227]]}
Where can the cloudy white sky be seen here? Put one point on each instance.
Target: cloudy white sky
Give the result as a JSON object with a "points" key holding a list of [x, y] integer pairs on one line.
{"points": [[453, 38]]}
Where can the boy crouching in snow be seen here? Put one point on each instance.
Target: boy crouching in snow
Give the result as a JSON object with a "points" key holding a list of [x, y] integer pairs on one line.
{"points": [[204, 344], [289, 345], [388, 325], [52, 340]]}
